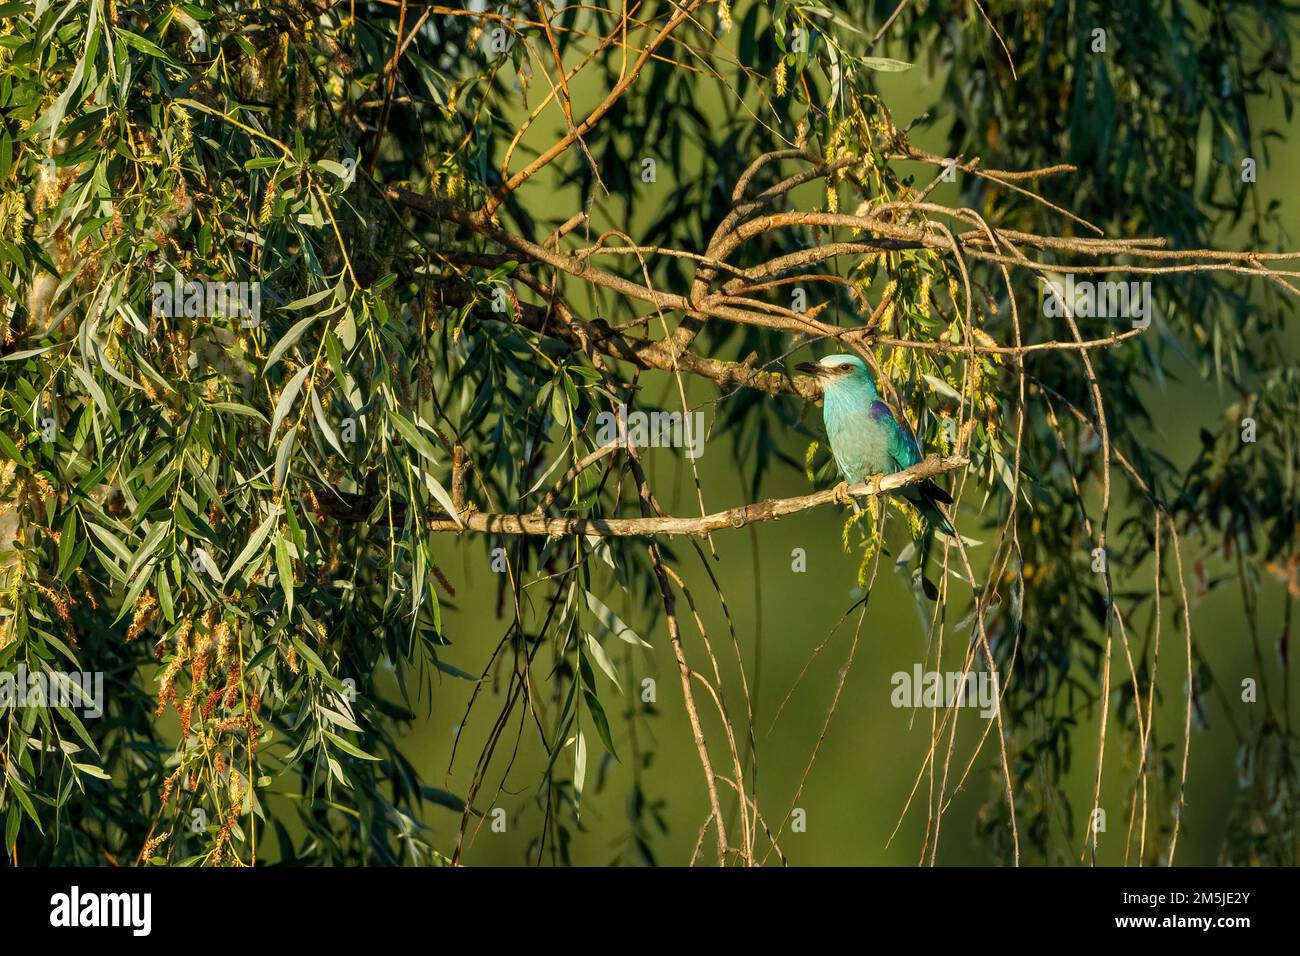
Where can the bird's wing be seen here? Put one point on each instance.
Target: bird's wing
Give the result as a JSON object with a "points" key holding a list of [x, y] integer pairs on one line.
{"points": [[902, 446]]}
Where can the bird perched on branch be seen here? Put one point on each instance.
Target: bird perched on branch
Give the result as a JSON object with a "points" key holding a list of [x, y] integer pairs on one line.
{"points": [[867, 438]]}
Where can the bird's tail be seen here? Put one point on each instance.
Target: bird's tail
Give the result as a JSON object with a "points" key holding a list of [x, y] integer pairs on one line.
{"points": [[927, 496]]}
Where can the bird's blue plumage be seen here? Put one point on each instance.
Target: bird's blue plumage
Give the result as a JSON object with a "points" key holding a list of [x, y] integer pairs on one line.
{"points": [[902, 447], [866, 437]]}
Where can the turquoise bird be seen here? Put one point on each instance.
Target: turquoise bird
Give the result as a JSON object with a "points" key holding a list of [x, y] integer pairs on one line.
{"points": [[866, 437]]}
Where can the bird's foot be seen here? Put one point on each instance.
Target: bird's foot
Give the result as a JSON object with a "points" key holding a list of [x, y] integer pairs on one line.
{"points": [[842, 495]]}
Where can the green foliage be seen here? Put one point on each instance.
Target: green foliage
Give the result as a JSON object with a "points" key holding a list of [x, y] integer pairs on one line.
{"points": [[238, 522]]}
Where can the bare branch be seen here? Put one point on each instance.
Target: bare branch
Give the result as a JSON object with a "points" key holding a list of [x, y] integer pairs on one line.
{"points": [[739, 517]]}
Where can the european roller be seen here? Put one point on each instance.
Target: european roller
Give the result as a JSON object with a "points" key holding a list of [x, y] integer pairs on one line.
{"points": [[866, 437]]}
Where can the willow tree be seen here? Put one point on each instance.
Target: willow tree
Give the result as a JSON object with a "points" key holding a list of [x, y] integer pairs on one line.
{"points": [[302, 300]]}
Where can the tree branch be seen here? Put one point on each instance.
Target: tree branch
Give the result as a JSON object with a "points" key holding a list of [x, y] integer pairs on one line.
{"points": [[739, 517]]}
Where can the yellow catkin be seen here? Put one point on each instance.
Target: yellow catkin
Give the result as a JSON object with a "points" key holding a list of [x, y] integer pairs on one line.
{"points": [[170, 784], [887, 317], [268, 204], [167, 689], [183, 632], [151, 847], [85, 586], [146, 609], [915, 523], [222, 637]]}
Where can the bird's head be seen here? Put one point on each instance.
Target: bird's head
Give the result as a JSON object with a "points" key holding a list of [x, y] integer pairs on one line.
{"points": [[837, 372]]}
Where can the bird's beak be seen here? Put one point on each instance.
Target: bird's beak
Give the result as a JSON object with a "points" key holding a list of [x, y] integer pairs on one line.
{"points": [[809, 368]]}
